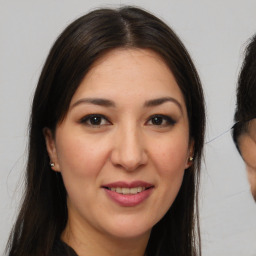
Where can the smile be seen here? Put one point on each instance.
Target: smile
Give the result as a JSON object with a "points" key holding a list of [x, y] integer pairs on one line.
{"points": [[128, 194], [127, 191]]}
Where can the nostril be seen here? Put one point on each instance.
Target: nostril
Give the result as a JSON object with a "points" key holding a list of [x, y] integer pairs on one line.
{"points": [[128, 154]]}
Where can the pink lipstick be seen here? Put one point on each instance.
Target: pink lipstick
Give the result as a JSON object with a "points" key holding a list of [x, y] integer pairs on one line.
{"points": [[128, 194]]}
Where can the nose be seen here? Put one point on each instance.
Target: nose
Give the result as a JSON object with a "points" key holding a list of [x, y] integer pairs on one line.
{"points": [[129, 151]]}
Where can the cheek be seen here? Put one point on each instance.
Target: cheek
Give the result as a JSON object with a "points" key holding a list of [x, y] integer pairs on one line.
{"points": [[248, 149], [252, 178], [81, 160], [171, 158], [170, 161], [81, 156]]}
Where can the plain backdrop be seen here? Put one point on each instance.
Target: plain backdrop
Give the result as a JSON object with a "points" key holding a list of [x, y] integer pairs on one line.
{"points": [[214, 32]]}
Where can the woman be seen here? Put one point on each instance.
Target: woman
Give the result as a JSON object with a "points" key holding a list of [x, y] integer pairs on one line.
{"points": [[119, 114]]}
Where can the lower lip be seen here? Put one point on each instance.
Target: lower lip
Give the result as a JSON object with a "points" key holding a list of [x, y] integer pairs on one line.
{"points": [[131, 199]]}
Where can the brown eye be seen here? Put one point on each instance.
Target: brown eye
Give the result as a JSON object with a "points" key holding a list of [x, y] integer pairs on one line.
{"points": [[157, 120], [161, 120], [95, 120]]}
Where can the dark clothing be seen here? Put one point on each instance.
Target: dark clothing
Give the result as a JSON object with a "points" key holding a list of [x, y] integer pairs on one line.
{"points": [[62, 249]]}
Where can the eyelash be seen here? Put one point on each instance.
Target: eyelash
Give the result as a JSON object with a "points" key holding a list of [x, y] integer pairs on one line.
{"points": [[88, 118], [169, 121]]}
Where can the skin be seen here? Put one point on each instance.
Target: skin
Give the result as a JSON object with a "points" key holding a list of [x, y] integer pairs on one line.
{"points": [[126, 145], [247, 146]]}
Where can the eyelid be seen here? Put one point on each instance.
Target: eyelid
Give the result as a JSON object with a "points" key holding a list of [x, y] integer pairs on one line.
{"points": [[86, 118], [170, 120], [167, 120]]}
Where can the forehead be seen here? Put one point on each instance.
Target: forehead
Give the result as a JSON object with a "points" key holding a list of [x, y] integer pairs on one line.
{"points": [[124, 73]]}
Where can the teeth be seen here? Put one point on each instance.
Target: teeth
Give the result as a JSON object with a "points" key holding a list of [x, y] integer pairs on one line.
{"points": [[140, 189], [134, 190], [128, 191], [125, 191], [119, 190]]}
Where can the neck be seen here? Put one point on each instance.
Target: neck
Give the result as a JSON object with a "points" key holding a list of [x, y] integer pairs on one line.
{"points": [[86, 241]]}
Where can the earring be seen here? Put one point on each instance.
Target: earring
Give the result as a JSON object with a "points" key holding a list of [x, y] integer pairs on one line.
{"points": [[52, 164], [191, 159]]}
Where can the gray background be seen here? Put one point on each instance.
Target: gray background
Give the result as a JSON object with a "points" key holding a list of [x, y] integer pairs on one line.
{"points": [[215, 33]]}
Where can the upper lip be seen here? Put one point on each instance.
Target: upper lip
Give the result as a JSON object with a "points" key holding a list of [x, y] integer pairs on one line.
{"points": [[124, 184]]}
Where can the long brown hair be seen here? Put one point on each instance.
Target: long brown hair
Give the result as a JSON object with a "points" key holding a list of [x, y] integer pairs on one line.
{"points": [[43, 213]]}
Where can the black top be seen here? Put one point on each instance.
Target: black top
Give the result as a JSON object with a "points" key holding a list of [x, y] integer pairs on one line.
{"points": [[62, 249]]}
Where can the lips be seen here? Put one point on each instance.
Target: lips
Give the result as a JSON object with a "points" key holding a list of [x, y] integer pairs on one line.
{"points": [[127, 191], [128, 194]]}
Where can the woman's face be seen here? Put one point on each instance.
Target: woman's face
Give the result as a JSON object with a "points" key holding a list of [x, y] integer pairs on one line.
{"points": [[123, 146], [247, 146]]}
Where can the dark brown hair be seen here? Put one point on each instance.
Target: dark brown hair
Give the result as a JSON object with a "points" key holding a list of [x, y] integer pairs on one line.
{"points": [[246, 92], [43, 213]]}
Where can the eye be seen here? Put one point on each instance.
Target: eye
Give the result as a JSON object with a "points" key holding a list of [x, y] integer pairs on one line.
{"points": [[95, 120], [161, 120]]}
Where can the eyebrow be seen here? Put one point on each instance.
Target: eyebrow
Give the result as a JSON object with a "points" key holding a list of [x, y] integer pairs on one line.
{"points": [[109, 103], [159, 101], [95, 101]]}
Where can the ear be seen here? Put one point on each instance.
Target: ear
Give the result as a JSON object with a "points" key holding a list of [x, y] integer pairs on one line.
{"points": [[51, 149], [190, 155]]}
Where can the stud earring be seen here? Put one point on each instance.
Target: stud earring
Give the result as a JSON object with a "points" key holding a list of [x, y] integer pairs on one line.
{"points": [[52, 164], [191, 159]]}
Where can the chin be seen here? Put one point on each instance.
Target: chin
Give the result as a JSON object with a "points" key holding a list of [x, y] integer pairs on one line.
{"points": [[128, 231]]}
